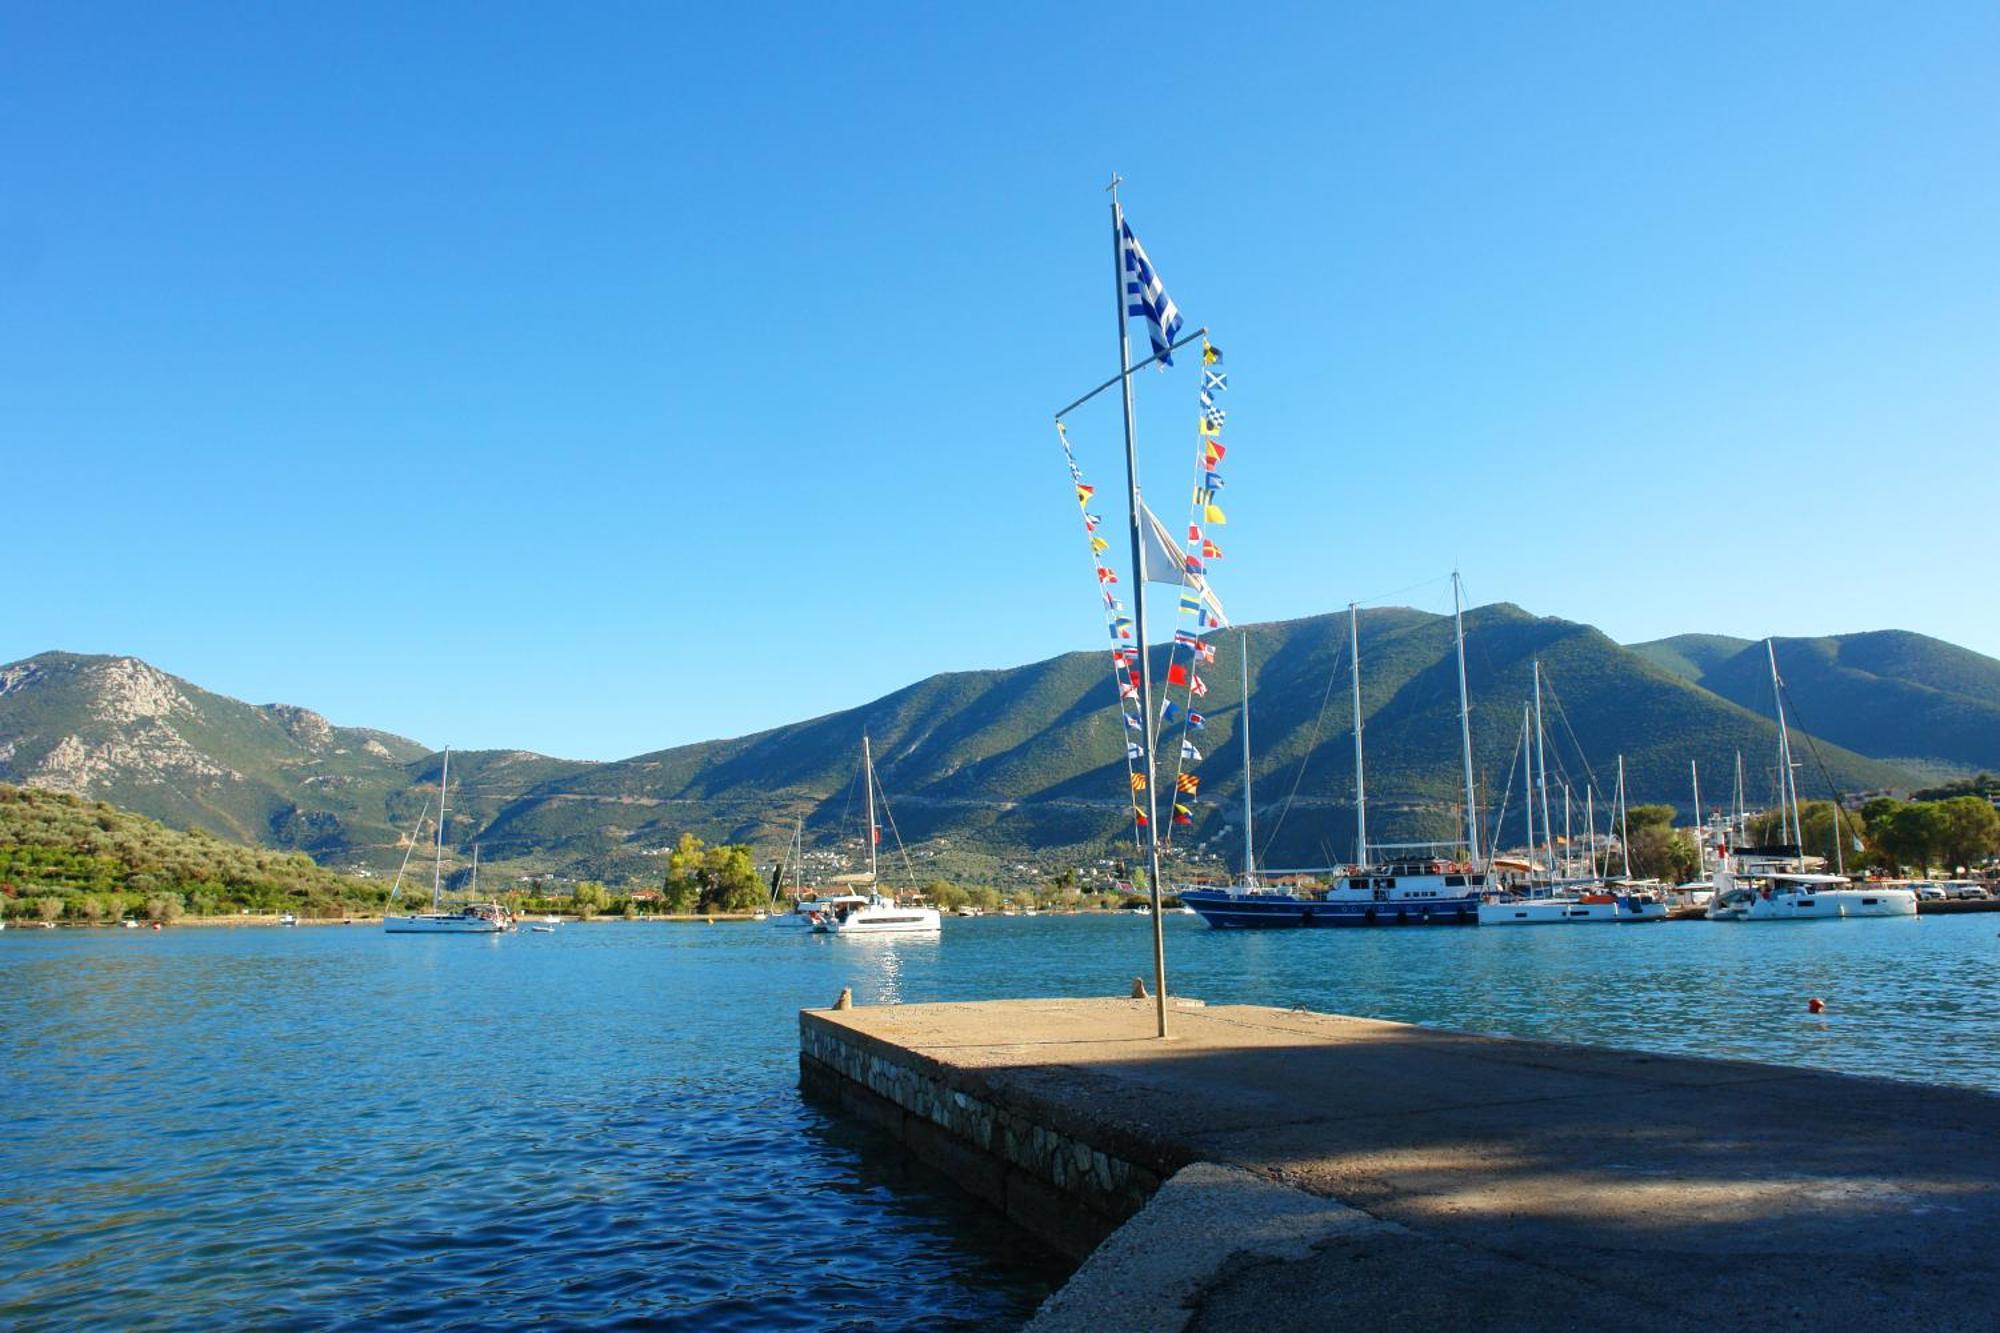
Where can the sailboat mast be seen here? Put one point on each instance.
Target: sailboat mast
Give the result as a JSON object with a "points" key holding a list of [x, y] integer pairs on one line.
{"points": [[1624, 827], [1465, 723], [1528, 788], [444, 814], [1789, 791], [1739, 817], [1569, 872], [1542, 770], [1249, 844], [1590, 821], [1148, 768], [475, 872], [1700, 852], [868, 781], [798, 857], [1360, 780]]}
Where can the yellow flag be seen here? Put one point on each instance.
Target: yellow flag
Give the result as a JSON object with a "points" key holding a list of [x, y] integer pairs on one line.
{"points": [[1098, 544], [1213, 514], [1210, 426], [1138, 782]]}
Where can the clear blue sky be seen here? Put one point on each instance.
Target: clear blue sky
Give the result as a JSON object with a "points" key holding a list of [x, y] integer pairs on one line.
{"points": [[595, 378]]}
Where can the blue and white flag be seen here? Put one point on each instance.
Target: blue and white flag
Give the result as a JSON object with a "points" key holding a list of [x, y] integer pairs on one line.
{"points": [[1145, 296]]}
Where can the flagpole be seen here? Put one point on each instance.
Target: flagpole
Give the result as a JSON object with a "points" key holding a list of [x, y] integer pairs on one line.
{"points": [[1147, 766]]}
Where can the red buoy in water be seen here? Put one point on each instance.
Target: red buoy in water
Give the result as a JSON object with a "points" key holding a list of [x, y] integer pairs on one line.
{"points": [[1815, 1006]]}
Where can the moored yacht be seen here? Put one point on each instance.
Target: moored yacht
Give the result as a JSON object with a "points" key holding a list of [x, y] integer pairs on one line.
{"points": [[876, 914], [1772, 883], [475, 918]]}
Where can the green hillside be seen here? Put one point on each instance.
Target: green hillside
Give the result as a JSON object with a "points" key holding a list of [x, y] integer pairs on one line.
{"points": [[1929, 706], [989, 768], [95, 862], [1690, 656]]}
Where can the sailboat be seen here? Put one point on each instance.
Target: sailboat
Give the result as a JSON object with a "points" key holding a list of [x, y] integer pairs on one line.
{"points": [[1594, 901], [874, 914], [1772, 883], [799, 914], [475, 918], [1424, 888]]}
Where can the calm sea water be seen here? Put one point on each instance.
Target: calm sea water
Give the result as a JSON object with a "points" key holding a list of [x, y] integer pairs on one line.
{"points": [[329, 1125]]}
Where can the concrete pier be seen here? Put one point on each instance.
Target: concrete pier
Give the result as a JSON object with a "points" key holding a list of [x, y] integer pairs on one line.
{"points": [[1276, 1169]]}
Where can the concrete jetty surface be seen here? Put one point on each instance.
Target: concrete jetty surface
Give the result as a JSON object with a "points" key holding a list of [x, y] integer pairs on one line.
{"points": [[1277, 1169]]}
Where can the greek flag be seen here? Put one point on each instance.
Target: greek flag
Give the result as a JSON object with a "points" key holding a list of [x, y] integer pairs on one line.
{"points": [[1145, 296]]}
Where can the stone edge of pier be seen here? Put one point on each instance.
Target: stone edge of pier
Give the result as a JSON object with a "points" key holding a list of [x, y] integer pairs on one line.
{"points": [[1170, 1232], [1070, 1180]]}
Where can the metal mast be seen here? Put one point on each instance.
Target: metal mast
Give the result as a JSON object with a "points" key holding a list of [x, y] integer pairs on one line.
{"points": [[1249, 845], [1700, 852], [1788, 791], [1147, 768], [1624, 827], [1465, 723], [1569, 871], [1542, 771], [1527, 788], [444, 814], [1360, 781], [868, 782]]}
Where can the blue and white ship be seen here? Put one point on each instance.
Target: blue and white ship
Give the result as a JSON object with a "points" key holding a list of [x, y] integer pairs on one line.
{"points": [[1404, 891]]}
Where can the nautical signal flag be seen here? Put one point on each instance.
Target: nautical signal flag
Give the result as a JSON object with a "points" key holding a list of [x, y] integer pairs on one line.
{"points": [[1187, 640], [1182, 815], [1214, 381], [1124, 656], [1104, 574], [1128, 689], [1189, 753], [1191, 602], [1083, 493], [1191, 563], [1212, 453], [1138, 782], [1169, 710], [1212, 513], [1138, 816], [1206, 652], [1210, 353], [1210, 549], [1090, 521], [1188, 782], [1134, 750], [1134, 723], [1200, 690], [1098, 545], [1210, 426], [1212, 481], [1197, 721], [1177, 674], [1121, 629]]}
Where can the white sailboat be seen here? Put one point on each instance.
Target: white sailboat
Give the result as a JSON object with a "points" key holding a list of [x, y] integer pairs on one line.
{"points": [[875, 914], [1772, 883], [475, 918], [1596, 902]]}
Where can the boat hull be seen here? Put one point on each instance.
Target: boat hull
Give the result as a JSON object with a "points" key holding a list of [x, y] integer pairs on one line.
{"points": [[883, 921], [1284, 911], [1569, 912], [441, 924], [1830, 905]]}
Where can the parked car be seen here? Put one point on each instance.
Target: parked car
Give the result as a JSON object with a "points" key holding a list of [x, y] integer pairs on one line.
{"points": [[1968, 891], [1930, 893]]}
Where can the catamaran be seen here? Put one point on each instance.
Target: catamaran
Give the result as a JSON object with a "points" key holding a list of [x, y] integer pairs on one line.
{"points": [[1417, 887], [875, 914], [474, 918], [1772, 883]]}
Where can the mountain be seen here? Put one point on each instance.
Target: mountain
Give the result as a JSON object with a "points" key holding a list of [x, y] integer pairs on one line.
{"points": [[1689, 655], [987, 768], [1928, 706]]}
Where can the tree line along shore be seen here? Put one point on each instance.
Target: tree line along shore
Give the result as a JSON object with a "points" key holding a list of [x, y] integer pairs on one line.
{"points": [[71, 861]]}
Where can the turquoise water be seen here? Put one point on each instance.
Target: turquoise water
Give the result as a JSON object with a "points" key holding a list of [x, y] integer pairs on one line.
{"points": [[329, 1125]]}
